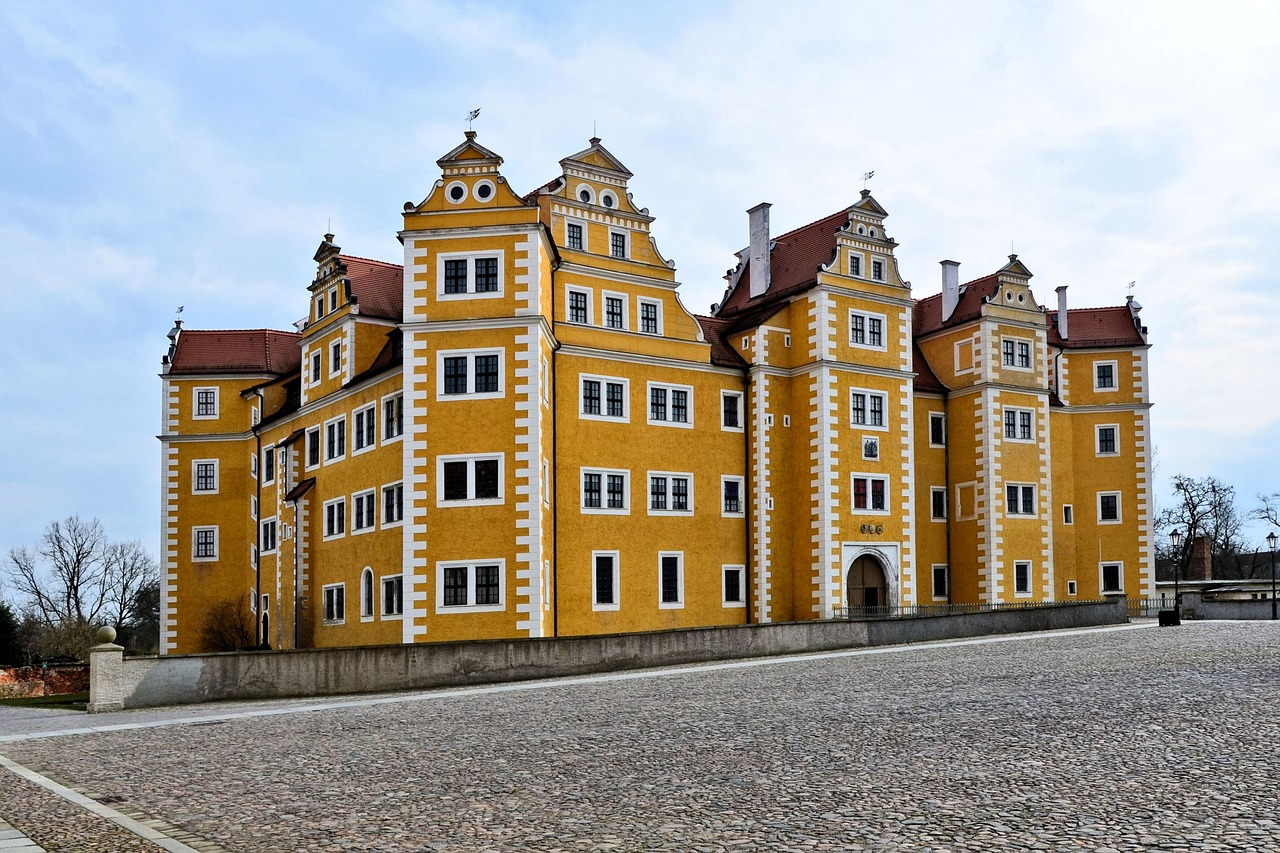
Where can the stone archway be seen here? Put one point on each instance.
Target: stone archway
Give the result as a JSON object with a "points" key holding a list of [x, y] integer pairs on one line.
{"points": [[866, 584]]}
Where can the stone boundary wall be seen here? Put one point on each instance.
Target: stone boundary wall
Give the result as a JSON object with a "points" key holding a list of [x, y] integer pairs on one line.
{"points": [[1195, 607], [187, 679]]}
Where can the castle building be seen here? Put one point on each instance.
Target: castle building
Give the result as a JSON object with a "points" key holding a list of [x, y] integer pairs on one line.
{"points": [[520, 431]]}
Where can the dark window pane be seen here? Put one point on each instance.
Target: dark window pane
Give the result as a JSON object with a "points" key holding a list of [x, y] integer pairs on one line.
{"points": [[575, 236], [680, 406], [616, 494], [455, 374], [487, 588], [733, 585], [590, 397], [455, 586], [486, 275], [670, 580], [732, 500], [649, 318], [614, 402], [455, 481], [455, 276], [618, 245], [657, 404], [604, 580], [877, 494], [486, 374], [591, 490], [486, 478], [730, 402]]}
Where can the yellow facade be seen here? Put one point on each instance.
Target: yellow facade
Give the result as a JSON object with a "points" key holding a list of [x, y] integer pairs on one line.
{"points": [[520, 431]]}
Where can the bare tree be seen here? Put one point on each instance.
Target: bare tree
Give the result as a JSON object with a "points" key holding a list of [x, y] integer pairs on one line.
{"points": [[1206, 507], [228, 626], [1268, 509]]}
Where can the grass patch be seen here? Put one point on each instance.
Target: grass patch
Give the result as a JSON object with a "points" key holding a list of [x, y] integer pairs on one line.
{"points": [[67, 701]]}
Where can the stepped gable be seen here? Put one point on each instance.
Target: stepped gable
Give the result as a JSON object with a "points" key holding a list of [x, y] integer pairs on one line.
{"points": [[794, 260], [714, 330], [1114, 326], [927, 317], [236, 351], [925, 379], [377, 286]]}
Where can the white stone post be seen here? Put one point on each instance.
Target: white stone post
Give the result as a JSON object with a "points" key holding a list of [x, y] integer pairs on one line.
{"points": [[106, 673]]}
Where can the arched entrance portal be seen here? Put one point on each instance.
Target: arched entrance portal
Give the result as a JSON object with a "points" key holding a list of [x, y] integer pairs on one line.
{"points": [[866, 585]]}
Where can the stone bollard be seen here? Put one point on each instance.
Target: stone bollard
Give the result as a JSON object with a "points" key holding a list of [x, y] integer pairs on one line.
{"points": [[106, 673]]}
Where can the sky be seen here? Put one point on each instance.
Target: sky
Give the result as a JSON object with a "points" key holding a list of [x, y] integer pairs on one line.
{"points": [[163, 154]]}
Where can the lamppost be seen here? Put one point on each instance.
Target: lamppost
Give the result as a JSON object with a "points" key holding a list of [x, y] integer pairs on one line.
{"points": [[1175, 540], [1271, 543]]}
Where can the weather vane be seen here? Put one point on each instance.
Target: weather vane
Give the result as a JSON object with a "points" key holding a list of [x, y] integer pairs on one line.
{"points": [[1132, 285], [866, 176], [472, 116]]}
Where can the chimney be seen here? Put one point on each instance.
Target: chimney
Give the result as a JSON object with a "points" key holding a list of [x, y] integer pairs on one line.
{"points": [[759, 250], [1201, 568], [950, 288], [1062, 312]]}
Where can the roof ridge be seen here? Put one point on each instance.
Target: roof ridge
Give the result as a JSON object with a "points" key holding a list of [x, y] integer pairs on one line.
{"points": [[370, 260], [224, 331], [817, 221]]}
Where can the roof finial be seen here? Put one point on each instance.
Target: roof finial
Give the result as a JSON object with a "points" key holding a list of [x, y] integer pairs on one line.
{"points": [[1132, 285], [472, 116], [866, 176]]}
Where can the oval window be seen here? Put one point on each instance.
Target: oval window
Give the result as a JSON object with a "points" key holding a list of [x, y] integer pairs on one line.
{"points": [[607, 199], [585, 195], [484, 191]]}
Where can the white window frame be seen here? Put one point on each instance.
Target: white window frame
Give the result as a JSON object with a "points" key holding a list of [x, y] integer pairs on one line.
{"points": [[324, 451], [383, 612], [626, 243], [1031, 353], [195, 403], [253, 507], [1071, 587], [382, 505], [391, 422], [1119, 519], [868, 316], [326, 591], [934, 491], [604, 397], [315, 360], [871, 443], [641, 301], [884, 409], [471, 355], [1068, 515], [669, 477], [596, 605], [605, 296], [1097, 439], [669, 387], [581, 223], [471, 459], [326, 535], [273, 525], [1016, 512], [942, 418], [741, 572], [590, 294], [1023, 593], [253, 465], [1102, 590], [678, 604], [371, 410], [368, 595], [946, 582], [1018, 412], [865, 475], [371, 519], [861, 260], [217, 476], [1115, 377], [470, 258], [263, 466], [604, 508], [742, 414], [971, 345], [335, 357], [959, 503], [318, 432], [471, 606], [884, 268], [195, 536], [742, 496]]}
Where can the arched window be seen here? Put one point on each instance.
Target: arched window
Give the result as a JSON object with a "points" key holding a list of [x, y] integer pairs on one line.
{"points": [[366, 593]]}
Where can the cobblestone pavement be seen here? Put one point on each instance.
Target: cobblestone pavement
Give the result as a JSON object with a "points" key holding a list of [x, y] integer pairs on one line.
{"points": [[1147, 739]]}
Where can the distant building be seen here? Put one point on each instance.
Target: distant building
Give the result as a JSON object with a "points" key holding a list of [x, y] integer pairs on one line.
{"points": [[520, 431]]}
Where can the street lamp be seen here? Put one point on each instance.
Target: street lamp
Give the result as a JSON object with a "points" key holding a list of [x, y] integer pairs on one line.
{"points": [[1175, 540], [1271, 543]]}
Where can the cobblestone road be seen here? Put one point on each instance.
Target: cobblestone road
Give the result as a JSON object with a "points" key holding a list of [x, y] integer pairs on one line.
{"points": [[1146, 739]]}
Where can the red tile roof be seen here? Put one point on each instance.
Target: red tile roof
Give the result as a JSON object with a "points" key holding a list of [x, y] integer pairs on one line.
{"points": [[236, 351], [926, 379], [794, 261], [714, 329], [928, 312], [377, 286], [1096, 327]]}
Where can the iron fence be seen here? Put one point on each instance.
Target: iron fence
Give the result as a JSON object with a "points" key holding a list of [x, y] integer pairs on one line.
{"points": [[921, 610], [1148, 608]]}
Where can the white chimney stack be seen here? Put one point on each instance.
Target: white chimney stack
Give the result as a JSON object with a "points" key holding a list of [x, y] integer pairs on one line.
{"points": [[759, 250], [1062, 312], [950, 288]]}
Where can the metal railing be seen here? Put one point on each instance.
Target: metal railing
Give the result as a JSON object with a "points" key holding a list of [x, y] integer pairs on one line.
{"points": [[919, 610], [1148, 608]]}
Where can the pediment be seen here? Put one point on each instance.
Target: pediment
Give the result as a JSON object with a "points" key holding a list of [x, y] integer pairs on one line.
{"points": [[470, 152], [598, 157]]}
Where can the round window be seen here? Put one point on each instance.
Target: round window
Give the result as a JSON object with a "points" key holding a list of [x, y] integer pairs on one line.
{"points": [[607, 199], [484, 190], [1008, 297], [456, 192], [585, 194]]}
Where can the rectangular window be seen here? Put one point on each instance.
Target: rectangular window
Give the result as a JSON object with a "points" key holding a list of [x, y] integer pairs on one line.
{"points": [[1112, 578], [268, 535], [613, 312], [866, 408], [855, 264], [335, 518], [1071, 587], [469, 374], [474, 586], [392, 417], [365, 429], [670, 493], [1020, 499], [473, 479], [205, 475], [937, 430], [604, 580], [1107, 440], [734, 588], [393, 595], [869, 492], [603, 397], [670, 580], [650, 323], [591, 396], [455, 374], [392, 503], [455, 275], [617, 244], [941, 582], [486, 275], [938, 503], [335, 358], [578, 306], [1006, 353], [363, 511], [205, 543], [731, 487], [206, 403], [335, 603], [877, 270], [313, 447], [1018, 424], [730, 410], [1104, 376], [573, 236], [614, 400], [1022, 577], [1024, 354], [866, 330], [670, 405], [1067, 514], [1108, 507], [315, 368], [319, 307], [605, 491], [335, 439], [615, 491], [268, 465], [333, 300]]}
